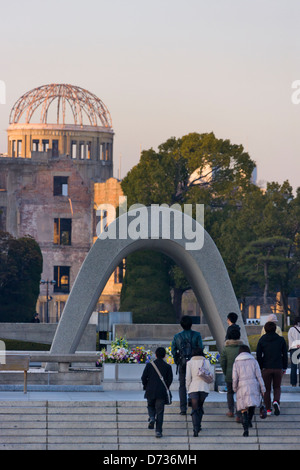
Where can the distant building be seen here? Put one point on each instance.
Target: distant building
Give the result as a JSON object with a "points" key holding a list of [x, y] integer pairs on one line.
{"points": [[52, 180]]}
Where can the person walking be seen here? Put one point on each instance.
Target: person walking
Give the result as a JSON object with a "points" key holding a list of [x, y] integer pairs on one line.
{"points": [[227, 358], [271, 354], [294, 344], [181, 347], [155, 391], [232, 318], [248, 384], [196, 387]]}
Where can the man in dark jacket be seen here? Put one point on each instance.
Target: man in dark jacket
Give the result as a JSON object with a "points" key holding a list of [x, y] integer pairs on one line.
{"points": [[182, 345], [155, 390], [271, 354]]}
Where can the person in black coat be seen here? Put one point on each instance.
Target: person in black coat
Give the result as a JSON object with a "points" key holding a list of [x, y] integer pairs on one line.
{"points": [[272, 357], [155, 391]]}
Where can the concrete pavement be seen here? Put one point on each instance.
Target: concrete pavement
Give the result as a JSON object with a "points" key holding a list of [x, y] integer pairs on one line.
{"points": [[114, 395]]}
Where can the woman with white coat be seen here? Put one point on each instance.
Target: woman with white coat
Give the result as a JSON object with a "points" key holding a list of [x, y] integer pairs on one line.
{"points": [[248, 384], [196, 387]]}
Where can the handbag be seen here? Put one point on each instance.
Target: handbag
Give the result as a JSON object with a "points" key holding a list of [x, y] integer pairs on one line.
{"points": [[169, 394], [205, 373], [262, 410]]}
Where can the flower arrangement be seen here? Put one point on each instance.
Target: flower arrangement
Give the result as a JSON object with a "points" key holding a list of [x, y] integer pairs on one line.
{"points": [[169, 356], [211, 356], [121, 354], [119, 343], [139, 355]]}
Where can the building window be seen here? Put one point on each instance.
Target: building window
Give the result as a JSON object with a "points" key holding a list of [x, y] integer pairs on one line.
{"points": [[35, 145], [62, 278], [19, 148], [3, 179], [88, 150], [3, 219], [45, 145], [102, 151], [62, 231], [54, 148], [60, 186], [81, 150], [100, 222], [13, 148], [73, 149]]}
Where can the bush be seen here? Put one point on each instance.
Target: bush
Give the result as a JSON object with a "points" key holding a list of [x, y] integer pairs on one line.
{"points": [[253, 340], [16, 345]]}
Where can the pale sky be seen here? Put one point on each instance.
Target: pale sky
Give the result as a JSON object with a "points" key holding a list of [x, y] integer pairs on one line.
{"points": [[167, 68]]}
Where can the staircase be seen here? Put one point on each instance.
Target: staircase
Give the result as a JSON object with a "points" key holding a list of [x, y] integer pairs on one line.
{"points": [[122, 425]]}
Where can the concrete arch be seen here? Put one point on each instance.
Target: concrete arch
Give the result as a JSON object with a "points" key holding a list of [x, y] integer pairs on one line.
{"points": [[138, 230]]}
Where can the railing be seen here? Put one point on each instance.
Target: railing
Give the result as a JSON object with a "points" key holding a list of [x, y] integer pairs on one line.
{"points": [[63, 360]]}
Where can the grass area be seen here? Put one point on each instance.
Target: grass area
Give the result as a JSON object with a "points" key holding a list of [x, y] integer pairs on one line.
{"points": [[16, 345], [253, 340]]}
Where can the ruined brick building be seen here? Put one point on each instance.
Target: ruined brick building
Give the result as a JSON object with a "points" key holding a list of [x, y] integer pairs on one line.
{"points": [[57, 170]]}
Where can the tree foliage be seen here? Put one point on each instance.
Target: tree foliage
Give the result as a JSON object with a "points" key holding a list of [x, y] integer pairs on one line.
{"points": [[260, 243], [20, 273], [145, 290], [194, 169]]}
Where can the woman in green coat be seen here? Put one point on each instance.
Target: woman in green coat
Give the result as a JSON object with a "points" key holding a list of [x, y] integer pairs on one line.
{"points": [[227, 358]]}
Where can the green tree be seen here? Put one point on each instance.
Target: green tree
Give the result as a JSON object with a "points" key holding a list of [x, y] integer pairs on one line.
{"points": [[197, 168], [20, 273], [262, 259], [267, 251], [145, 290]]}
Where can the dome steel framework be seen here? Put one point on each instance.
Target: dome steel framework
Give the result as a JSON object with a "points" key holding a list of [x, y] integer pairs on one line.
{"points": [[82, 103]]}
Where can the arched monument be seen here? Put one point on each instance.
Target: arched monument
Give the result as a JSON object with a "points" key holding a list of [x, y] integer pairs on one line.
{"points": [[159, 228]]}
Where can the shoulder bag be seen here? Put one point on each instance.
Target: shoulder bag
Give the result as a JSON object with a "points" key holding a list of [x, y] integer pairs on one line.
{"points": [[262, 410], [169, 394], [205, 373]]}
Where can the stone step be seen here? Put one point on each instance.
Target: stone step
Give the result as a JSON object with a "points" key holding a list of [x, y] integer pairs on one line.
{"points": [[121, 425]]}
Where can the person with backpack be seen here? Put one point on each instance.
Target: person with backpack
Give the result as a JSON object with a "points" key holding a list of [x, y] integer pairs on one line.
{"points": [[182, 345]]}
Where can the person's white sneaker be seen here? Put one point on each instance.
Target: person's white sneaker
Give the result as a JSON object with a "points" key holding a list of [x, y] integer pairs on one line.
{"points": [[276, 408]]}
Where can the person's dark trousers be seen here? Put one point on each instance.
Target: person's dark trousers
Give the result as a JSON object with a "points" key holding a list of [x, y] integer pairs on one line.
{"points": [[272, 376], [251, 410], [230, 399], [294, 368], [182, 389], [156, 409], [197, 400]]}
